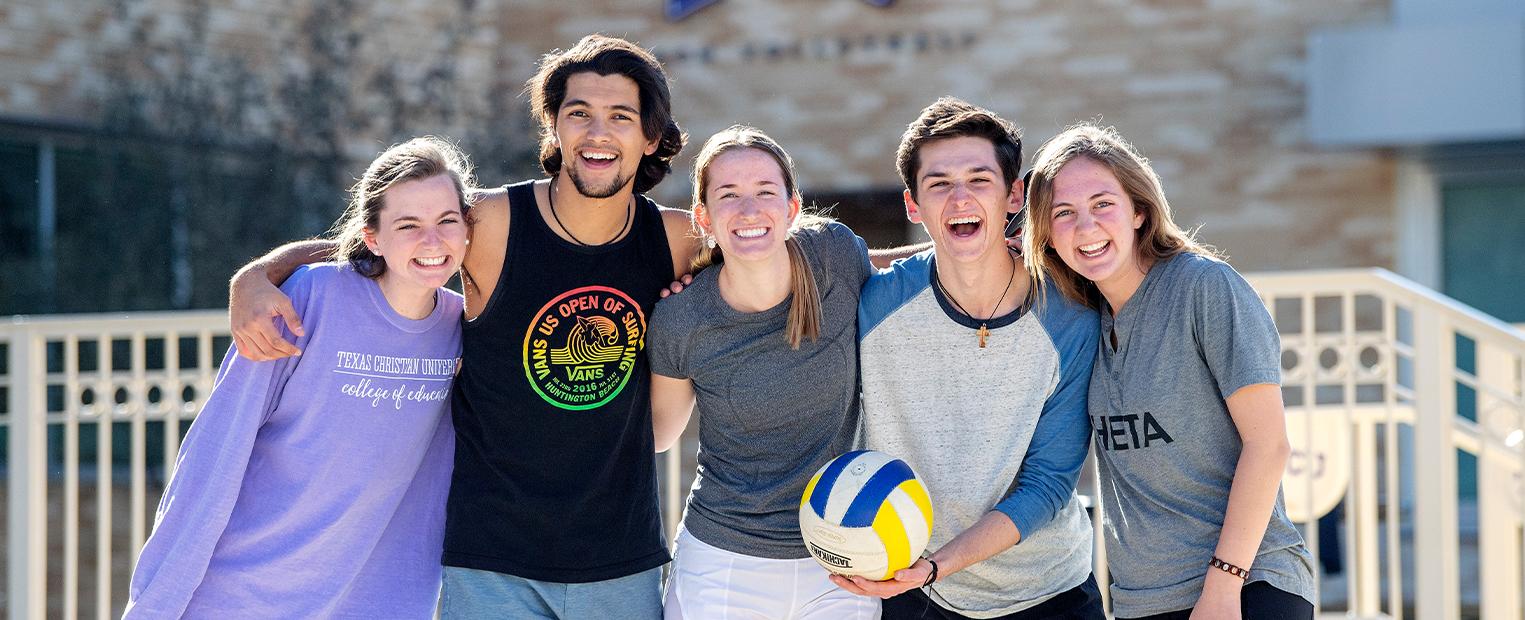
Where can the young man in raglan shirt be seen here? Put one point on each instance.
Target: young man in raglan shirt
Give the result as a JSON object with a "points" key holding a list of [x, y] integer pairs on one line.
{"points": [[978, 381], [553, 502]]}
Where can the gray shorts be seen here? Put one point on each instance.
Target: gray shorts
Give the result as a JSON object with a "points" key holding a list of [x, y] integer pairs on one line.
{"points": [[468, 594]]}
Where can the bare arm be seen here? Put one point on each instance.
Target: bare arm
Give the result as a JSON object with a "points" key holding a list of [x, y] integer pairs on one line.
{"points": [[682, 241], [1262, 424], [992, 534], [672, 404], [882, 258], [486, 249], [254, 299]]}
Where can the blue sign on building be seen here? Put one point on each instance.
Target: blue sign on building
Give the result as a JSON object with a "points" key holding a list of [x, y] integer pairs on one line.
{"points": [[679, 9]]}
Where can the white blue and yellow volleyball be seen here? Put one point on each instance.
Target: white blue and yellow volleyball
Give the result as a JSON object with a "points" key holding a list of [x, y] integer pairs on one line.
{"points": [[865, 513]]}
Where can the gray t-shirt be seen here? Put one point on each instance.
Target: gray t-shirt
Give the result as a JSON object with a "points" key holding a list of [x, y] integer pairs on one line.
{"points": [[769, 416], [1192, 335]]}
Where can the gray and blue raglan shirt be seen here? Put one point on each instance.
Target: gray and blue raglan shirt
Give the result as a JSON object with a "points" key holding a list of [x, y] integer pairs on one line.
{"points": [[997, 428]]}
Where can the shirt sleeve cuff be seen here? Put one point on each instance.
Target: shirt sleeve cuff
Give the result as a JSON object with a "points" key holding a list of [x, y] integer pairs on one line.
{"points": [[1254, 377], [1025, 515]]}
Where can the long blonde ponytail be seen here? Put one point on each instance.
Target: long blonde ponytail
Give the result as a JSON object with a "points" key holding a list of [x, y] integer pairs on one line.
{"points": [[805, 308]]}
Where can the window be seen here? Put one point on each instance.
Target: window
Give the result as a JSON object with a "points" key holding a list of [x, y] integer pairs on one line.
{"points": [[18, 226], [877, 215], [1482, 231]]}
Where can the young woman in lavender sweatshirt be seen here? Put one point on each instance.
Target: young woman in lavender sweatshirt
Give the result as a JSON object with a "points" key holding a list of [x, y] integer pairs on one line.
{"points": [[314, 486]]}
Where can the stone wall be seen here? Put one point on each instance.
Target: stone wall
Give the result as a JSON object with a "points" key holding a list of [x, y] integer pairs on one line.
{"points": [[1211, 90]]}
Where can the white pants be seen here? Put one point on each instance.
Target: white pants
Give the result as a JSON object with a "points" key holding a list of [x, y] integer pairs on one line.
{"points": [[710, 583]]}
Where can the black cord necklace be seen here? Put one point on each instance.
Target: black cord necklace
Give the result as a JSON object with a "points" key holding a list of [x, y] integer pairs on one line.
{"points": [[983, 331], [550, 199]]}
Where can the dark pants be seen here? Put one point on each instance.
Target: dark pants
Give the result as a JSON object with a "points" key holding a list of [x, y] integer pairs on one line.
{"points": [[1257, 601], [1082, 602]]}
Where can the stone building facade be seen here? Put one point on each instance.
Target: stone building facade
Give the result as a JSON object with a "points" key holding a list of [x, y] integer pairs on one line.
{"points": [[285, 102]]}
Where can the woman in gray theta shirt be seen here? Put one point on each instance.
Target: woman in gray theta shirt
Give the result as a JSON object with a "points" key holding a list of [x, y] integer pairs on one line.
{"points": [[766, 342], [1185, 396]]}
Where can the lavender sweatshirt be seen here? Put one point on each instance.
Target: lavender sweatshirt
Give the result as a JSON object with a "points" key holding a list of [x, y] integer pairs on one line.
{"points": [[314, 486]]}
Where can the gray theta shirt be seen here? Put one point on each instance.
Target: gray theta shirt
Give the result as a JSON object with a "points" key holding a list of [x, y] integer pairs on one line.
{"points": [[1192, 335], [769, 416]]}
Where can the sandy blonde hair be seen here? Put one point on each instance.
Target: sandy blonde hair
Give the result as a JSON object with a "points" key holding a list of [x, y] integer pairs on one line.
{"points": [[1158, 238]]}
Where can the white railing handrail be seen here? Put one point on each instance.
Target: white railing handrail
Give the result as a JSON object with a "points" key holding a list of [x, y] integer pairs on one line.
{"points": [[1481, 327], [116, 323], [1382, 281]]}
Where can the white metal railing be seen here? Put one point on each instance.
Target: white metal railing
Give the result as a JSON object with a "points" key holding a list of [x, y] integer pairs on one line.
{"points": [[1370, 367], [55, 389], [1386, 358]]}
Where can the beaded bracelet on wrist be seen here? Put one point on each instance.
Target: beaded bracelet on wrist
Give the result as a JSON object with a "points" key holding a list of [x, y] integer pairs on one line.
{"points": [[1219, 564]]}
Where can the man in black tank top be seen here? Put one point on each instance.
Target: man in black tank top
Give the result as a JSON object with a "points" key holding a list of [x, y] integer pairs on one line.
{"points": [[553, 507]]}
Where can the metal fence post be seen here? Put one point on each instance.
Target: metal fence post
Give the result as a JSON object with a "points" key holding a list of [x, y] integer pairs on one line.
{"points": [[1436, 549], [27, 522], [1364, 569], [1497, 502]]}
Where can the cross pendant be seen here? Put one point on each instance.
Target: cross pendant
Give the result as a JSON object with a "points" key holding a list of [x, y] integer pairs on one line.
{"points": [[983, 333]]}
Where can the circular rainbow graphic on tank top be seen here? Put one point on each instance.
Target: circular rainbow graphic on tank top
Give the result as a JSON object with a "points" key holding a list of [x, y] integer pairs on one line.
{"points": [[580, 348]]}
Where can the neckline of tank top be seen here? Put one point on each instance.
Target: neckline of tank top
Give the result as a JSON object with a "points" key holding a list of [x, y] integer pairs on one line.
{"points": [[637, 220], [550, 202]]}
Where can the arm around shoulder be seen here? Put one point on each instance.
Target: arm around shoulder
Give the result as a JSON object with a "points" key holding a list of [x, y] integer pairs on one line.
{"points": [[846, 252], [682, 241], [486, 249], [254, 299], [882, 258]]}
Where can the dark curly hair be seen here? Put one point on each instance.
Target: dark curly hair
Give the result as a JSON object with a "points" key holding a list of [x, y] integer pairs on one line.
{"points": [[608, 56]]}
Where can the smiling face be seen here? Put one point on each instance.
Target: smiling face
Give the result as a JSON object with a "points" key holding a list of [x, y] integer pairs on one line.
{"points": [[420, 233], [598, 129], [747, 206], [1095, 225], [961, 198]]}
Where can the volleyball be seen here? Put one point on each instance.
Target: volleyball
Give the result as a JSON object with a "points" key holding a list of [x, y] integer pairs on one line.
{"points": [[865, 513]]}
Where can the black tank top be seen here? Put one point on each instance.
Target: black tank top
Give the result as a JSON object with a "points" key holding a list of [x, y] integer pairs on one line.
{"points": [[555, 477]]}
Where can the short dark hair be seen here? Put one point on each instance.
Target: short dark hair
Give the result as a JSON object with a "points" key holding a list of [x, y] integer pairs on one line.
{"points": [[950, 117], [608, 56]]}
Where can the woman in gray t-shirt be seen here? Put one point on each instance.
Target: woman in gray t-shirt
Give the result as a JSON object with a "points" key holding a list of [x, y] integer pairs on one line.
{"points": [[766, 343], [1185, 396]]}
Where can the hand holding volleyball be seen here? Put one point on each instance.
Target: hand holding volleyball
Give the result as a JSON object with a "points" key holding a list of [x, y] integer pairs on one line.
{"points": [[865, 514]]}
